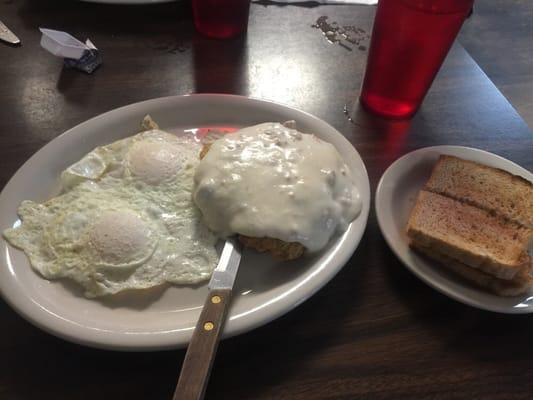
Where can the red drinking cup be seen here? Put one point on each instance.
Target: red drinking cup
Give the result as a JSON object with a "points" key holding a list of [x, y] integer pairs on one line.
{"points": [[410, 40], [221, 19]]}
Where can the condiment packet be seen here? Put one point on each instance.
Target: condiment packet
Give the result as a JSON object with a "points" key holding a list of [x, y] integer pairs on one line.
{"points": [[82, 56]]}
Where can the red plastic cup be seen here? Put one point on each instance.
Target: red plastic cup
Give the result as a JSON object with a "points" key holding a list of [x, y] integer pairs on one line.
{"points": [[410, 40], [221, 19]]}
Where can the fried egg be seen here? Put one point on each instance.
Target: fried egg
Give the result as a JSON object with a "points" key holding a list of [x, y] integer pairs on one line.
{"points": [[125, 219]]}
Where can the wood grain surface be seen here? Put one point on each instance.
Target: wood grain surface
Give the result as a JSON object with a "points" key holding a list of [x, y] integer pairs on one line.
{"points": [[375, 331]]}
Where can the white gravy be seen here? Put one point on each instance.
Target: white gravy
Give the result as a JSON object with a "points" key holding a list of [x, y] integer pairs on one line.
{"points": [[271, 181]]}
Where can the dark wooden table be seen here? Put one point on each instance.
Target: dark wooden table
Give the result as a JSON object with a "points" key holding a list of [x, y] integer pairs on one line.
{"points": [[375, 331]]}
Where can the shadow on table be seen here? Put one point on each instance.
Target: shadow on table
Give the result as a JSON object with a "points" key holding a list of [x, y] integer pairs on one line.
{"points": [[220, 66], [84, 373], [464, 330], [84, 18]]}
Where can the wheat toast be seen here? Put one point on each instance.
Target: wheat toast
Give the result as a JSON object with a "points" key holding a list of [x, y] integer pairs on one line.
{"points": [[470, 235], [492, 189]]}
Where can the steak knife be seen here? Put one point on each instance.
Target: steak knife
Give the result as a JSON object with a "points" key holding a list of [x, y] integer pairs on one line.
{"points": [[7, 36], [204, 342]]}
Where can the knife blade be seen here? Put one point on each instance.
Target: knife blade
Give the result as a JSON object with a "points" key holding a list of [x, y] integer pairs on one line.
{"points": [[202, 348], [7, 36], [224, 274]]}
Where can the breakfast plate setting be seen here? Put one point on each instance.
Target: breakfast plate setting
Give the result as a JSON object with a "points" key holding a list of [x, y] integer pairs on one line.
{"points": [[120, 255], [112, 230]]}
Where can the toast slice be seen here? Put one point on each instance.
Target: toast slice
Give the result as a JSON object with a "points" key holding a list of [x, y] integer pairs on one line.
{"points": [[491, 189], [520, 284], [463, 232]]}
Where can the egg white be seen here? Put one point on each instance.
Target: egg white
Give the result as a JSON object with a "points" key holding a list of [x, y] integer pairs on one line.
{"points": [[125, 219]]}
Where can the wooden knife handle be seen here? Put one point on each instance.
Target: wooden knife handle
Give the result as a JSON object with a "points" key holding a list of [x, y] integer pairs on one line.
{"points": [[203, 347]]}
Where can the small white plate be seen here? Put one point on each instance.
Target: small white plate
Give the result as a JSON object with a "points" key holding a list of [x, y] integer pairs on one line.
{"points": [[163, 318], [395, 197]]}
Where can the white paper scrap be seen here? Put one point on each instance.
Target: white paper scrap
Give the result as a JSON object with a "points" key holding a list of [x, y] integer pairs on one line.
{"points": [[61, 44]]}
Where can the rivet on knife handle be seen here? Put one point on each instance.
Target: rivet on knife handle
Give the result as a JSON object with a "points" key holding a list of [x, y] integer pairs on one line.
{"points": [[203, 346]]}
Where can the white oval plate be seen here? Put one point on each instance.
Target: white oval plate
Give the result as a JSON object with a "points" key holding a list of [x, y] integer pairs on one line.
{"points": [[163, 318], [395, 197]]}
